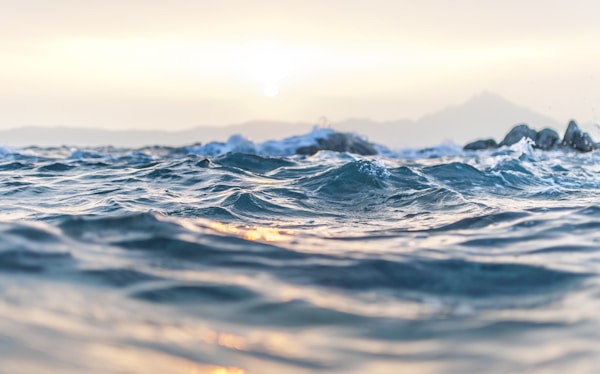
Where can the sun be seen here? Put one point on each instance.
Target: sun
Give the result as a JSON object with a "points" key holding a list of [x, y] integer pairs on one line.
{"points": [[268, 64], [271, 90]]}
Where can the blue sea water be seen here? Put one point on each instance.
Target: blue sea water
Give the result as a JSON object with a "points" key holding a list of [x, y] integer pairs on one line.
{"points": [[241, 258]]}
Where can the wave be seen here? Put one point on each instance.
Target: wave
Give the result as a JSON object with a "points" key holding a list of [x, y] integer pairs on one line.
{"points": [[250, 254]]}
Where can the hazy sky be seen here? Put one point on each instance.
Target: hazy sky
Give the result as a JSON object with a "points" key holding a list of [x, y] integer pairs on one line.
{"points": [[177, 64]]}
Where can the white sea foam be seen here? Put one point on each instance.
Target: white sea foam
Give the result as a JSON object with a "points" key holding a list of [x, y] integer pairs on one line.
{"points": [[285, 147], [375, 168]]}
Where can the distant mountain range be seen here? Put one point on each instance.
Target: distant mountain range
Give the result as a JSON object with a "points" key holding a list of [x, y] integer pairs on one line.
{"points": [[484, 115]]}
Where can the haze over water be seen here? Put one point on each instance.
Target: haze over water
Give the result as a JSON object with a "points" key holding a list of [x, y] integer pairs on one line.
{"points": [[152, 65]]}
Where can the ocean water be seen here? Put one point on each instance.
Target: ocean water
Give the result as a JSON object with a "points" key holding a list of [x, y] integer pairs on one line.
{"points": [[242, 258]]}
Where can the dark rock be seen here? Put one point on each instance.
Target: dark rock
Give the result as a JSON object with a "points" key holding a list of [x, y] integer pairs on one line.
{"points": [[307, 150], [546, 139], [577, 139], [204, 163], [340, 142], [480, 145], [517, 133]]}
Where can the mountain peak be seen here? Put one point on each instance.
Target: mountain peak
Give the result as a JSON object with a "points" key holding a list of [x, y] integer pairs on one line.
{"points": [[486, 97], [483, 115]]}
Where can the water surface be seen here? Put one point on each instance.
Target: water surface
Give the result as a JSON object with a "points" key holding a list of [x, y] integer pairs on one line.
{"points": [[240, 258]]}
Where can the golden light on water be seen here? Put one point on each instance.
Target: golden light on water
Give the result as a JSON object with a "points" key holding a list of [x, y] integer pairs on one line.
{"points": [[217, 370], [258, 233], [226, 370], [231, 341]]}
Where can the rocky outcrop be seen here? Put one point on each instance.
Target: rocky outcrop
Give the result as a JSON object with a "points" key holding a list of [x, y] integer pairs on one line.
{"points": [[546, 139], [339, 142], [480, 145], [517, 133], [577, 139]]}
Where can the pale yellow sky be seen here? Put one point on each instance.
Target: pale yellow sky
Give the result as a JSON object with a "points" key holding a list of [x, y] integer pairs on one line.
{"points": [[177, 64]]}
